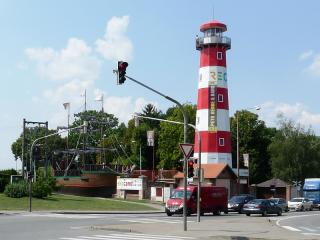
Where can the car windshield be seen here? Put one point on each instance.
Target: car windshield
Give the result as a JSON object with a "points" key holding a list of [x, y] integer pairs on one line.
{"points": [[275, 200], [256, 201], [178, 194], [311, 194], [237, 199], [296, 200]]}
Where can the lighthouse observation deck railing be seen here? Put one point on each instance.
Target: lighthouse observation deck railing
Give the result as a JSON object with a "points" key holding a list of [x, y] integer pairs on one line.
{"points": [[200, 41]]}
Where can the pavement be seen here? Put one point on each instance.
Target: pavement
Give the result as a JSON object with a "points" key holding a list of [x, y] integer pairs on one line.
{"points": [[224, 227]]}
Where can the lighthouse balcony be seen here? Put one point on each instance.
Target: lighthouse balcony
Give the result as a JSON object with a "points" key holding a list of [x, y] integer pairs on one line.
{"points": [[221, 40]]}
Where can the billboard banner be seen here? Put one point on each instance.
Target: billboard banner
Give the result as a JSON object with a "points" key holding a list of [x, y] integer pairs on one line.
{"points": [[129, 184]]}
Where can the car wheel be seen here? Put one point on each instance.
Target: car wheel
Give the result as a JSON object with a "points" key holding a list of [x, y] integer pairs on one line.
{"points": [[248, 214], [217, 212], [279, 213], [287, 209], [188, 212], [264, 213]]}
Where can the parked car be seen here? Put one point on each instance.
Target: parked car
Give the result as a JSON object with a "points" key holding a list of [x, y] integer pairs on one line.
{"points": [[213, 200], [281, 203], [235, 203], [300, 204], [261, 206]]}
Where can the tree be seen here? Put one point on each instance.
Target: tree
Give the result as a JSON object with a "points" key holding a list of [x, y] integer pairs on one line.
{"points": [[254, 139], [171, 135], [295, 152], [53, 143], [100, 126]]}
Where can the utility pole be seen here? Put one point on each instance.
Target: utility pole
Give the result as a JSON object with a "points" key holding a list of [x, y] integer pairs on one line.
{"points": [[25, 166]]}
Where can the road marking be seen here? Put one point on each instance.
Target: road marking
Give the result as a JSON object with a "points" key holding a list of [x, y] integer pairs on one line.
{"points": [[310, 234], [308, 229], [128, 236], [291, 228], [151, 220], [57, 215]]}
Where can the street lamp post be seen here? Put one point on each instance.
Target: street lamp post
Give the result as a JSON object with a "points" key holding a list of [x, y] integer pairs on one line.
{"points": [[257, 108], [140, 162]]}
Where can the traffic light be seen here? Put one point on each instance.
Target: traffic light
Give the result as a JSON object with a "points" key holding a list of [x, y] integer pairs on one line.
{"points": [[122, 67], [36, 153], [190, 169]]}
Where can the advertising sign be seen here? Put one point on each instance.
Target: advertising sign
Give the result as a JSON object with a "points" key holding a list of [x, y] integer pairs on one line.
{"points": [[129, 183], [213, 109], [150, 138]]}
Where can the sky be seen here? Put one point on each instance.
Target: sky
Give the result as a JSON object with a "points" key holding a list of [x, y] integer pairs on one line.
{"points": [[52, 51]]}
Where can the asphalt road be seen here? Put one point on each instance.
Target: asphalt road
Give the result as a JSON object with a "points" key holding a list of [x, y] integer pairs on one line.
{"points": [[53, 226], [305, 223]]}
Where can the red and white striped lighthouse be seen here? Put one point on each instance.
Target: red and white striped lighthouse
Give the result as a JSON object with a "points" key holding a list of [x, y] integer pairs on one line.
{"points": [[213, 109]]}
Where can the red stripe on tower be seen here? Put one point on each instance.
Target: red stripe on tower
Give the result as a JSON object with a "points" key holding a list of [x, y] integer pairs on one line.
{"points": [[213, 105]]}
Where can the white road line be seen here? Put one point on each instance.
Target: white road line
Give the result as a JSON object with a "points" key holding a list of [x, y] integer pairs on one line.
{"points": [[134, 221], [55, 215], [308, 229], [70, 238], [291, 228], [138, 235], [149, 220], [129, 236], [311, 234]]}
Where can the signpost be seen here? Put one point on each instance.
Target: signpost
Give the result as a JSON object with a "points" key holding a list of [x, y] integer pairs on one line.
{"points": [[186, 149]]}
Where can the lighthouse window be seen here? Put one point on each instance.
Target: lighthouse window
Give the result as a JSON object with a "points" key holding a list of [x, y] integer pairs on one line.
{"points": [[219, 55], [220, 97], [221, 141]]}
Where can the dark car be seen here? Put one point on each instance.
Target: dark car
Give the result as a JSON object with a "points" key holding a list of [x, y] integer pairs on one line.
{"points": [[261, 206], [236, 203], [281, 203]]}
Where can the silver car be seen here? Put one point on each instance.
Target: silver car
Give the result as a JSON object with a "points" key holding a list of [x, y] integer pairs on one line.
{"points": [[281, 203], [300, 204]]}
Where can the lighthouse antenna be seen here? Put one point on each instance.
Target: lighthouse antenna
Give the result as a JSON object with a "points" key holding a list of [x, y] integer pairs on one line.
{"points": [[212, 11]]}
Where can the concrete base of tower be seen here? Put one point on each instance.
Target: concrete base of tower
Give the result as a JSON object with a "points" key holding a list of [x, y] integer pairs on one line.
{"points": [[207, 158]]}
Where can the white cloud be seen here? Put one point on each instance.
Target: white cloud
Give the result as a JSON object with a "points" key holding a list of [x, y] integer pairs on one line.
{"points": [[124, 107], [314, 67], [306, 55], [76, 67], [116, 45], [297, 112], [73, 62]]}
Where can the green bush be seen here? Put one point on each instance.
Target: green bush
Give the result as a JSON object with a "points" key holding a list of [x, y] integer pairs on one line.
{"points": [[5, 177], [41, 189], [16, 190]]}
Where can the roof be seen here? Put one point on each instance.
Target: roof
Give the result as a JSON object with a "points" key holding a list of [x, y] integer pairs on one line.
{"points": [[276, 182], [213, 24], [213, 170]]}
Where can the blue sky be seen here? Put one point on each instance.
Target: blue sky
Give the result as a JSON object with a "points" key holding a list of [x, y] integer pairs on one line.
{"points": [[52, 50]]}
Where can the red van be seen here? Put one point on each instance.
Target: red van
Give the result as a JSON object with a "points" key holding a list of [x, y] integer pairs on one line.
{"points": [[213, 200]]}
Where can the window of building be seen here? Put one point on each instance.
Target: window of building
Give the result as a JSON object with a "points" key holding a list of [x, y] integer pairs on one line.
{"points": [[220, 97], [221, 141], [219, 55]]}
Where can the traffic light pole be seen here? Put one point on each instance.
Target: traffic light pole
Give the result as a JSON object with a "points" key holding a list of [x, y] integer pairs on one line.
{"points": [[185, 129], [84, 126], [199, 158]]}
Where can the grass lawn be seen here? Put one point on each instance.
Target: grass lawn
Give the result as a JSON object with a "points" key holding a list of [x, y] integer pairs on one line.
{"points": [[67, 202]]}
